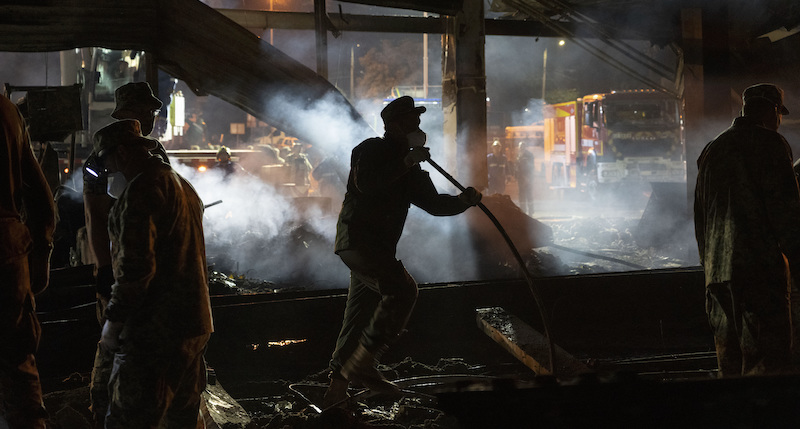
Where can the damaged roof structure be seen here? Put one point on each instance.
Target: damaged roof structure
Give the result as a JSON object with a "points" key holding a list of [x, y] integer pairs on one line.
{"points": [[218, 58], [658, 314]]}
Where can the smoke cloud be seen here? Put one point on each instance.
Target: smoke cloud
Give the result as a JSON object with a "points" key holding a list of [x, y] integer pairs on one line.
{"points": [[261, 231]]}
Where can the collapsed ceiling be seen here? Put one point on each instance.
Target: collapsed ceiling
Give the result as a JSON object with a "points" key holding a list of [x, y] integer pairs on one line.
{"points": [[217, 58], [223, 59]]}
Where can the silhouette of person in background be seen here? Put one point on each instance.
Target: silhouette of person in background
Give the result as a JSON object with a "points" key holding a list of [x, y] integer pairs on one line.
{"points": [[498, 169]]}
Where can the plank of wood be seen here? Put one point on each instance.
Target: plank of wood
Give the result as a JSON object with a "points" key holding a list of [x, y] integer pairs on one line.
{"points": [[220, 410], [525, 343]]}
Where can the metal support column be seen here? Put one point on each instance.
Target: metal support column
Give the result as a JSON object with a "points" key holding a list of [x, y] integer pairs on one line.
{"points": [[321, 31], [464, 95], [711, 101], [151, 72], [692, 26]]}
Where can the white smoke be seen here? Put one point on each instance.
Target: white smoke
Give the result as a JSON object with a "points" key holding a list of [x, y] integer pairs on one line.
{"points": [[260, 230]]}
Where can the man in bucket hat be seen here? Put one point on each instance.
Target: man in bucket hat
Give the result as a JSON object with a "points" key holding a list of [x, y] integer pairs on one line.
{"points": [[385, 179], [158, 319], [135, 100], [746, 211]]}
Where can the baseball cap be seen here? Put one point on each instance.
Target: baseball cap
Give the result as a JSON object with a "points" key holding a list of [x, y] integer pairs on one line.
{"points": [[765, 91], [122, 132], [135, 96], [399, 107]]}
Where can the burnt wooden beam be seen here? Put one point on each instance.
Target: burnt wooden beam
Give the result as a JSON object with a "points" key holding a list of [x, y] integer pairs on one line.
{"points": [[525, 343], [445, 7], [262, 20]]}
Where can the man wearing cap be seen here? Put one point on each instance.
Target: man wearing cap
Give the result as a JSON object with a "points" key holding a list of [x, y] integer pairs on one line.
{"points": [[158, 319], [385, 179], [746, 211], [134, 100]]}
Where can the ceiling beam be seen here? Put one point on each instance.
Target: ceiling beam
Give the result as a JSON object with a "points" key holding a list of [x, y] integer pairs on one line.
{"points": [[263, 20]]}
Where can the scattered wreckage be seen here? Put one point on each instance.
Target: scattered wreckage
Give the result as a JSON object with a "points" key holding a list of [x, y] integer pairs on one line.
{"points": [[273, 338]]}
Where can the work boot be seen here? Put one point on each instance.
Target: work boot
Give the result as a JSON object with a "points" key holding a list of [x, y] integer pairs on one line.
{"points": [[360, 369], [336, 395]]}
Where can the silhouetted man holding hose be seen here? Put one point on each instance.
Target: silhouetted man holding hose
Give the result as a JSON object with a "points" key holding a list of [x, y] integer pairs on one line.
{"points": [[385, 179]]}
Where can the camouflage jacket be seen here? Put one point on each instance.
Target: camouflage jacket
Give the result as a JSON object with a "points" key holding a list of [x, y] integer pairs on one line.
{"points": [[747, 206], [380, 190], [158, 256]]}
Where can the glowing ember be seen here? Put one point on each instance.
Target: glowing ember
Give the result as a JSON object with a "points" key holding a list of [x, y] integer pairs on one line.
{"points": [[280, 343]]}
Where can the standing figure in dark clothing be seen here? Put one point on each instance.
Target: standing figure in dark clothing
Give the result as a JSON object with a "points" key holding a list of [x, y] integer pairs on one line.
{"points": [[331, 175], [134, 100], [746, 211], [27, 223], [498, 169], [525, 172], [225, 163], [194, 131], [299, 169], [158, 319], [385, 179]]}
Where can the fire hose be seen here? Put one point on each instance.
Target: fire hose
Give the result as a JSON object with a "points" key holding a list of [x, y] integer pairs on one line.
{"points": [[212, 204], [531, 286]]}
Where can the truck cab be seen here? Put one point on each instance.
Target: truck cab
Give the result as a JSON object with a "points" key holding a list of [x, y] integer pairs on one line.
{"points": [[633, 136]]}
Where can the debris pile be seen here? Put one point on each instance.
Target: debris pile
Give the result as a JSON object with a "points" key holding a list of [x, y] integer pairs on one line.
{"points": [[613, 237], [228, 284], [282, 403]]}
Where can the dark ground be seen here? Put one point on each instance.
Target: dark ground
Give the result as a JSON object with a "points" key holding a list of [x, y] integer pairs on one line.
{"points": [[290, 403]]}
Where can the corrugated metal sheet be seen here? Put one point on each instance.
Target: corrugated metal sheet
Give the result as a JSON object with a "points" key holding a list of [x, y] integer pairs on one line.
{"points": [[190, 41]]}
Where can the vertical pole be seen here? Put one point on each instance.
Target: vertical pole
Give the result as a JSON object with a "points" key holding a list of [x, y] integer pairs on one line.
{"points": [[544, 73], [464, 94], [69, 76], [271, 9], [692, 34], [425, 62], [352, 72], [321, 30], [151, 71], [69, 67]]}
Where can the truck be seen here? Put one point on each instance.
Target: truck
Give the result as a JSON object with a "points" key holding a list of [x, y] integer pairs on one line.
{"points": [[607, 139]]}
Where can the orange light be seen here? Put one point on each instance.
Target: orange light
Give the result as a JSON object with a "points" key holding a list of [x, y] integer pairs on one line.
{"points": [[66, 170], [201, 168]]}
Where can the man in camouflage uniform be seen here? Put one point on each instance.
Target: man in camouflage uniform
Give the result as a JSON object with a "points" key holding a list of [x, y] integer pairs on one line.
{"points": [[747, 207], [385, 179], [27, 223], [135, 100], [158, 319]]}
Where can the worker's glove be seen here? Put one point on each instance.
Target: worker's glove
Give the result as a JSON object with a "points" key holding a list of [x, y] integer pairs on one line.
{"points": [[104, 281], [416, 155], [470, 196], [109, 339]]}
